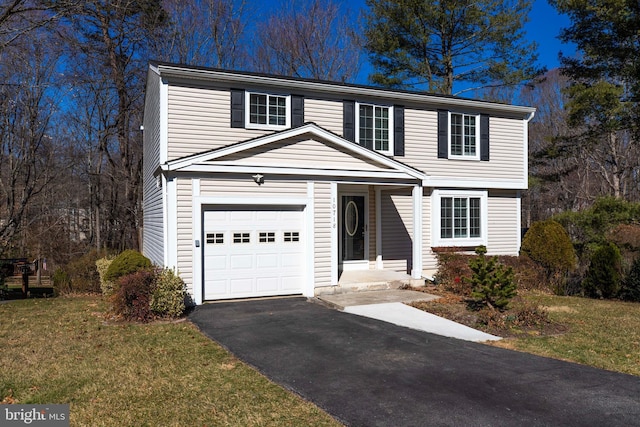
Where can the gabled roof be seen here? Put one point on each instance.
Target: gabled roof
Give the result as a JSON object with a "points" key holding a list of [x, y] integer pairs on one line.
{"points": [[205, 161], [335, 88]]}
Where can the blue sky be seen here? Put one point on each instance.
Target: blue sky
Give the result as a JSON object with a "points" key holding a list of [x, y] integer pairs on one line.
{"points": [[543, 27]]}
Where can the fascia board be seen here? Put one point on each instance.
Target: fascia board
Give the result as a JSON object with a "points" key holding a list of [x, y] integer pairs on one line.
{"points": [[448, 182], [392, 96]]}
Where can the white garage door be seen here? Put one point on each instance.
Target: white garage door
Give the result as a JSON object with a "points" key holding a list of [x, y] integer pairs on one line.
{"points": [[253, 252]]}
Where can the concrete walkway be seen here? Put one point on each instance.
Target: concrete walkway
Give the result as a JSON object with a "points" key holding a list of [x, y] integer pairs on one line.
{"points": [[389, 306]]}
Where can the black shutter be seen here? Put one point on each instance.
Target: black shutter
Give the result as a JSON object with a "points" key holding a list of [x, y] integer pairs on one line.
{"points": [[398, 130], [297, 111], [484, 137], [237, 108], [349, 120], [443, 134]]}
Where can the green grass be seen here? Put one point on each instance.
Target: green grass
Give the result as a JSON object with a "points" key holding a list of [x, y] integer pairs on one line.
{"points": [[62, 351], [603, 334]]}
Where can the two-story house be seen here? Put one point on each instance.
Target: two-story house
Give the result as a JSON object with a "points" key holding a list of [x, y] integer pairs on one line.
{"points": [[260, 185]]}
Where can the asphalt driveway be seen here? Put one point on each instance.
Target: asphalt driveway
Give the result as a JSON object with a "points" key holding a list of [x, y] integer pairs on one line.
{"points": [[365, 372]]}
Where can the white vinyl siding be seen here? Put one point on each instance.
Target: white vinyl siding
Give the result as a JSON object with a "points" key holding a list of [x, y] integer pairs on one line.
{"points": [[247, 187], [185, 235], [503, 223], [200, 120], [301, 154], [429, 261], [322, 235], [507, 150], [153, 231], [397, 230], [324, 113]]}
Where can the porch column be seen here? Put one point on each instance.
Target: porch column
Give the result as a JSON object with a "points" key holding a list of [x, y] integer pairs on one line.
{"points": [[416, 271], [379, 262]]}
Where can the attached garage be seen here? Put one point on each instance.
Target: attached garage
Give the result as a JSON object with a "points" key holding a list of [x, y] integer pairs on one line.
{"points": [[253, 251]]}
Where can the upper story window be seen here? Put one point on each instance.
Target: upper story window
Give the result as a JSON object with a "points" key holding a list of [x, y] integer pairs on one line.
{"points": [[267, 111], [375, 125], [464, 135]]}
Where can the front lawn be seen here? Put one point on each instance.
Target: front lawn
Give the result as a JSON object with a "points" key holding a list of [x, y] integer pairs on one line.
{"points": [[600, 333], [63, 350]]}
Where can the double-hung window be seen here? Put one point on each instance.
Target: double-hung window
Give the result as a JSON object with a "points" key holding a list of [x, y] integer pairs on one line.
{"points": [[268, 111], [464, 136], [374, 130], [461, 218]]}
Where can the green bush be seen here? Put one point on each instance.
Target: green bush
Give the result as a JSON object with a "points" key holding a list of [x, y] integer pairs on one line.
{"points": [[168, 295], [549, 244], [603, 275], [102, 265], [492, 283], [630, 289], [127, 262], [132, 296], [83, 273], [61, 282]]}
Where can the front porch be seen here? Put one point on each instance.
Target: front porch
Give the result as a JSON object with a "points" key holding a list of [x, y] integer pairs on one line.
{"points": [[372, 280]]}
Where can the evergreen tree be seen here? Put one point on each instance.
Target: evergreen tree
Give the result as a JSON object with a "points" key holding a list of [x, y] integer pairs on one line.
{"points": [[435, 44], [493, 283]]}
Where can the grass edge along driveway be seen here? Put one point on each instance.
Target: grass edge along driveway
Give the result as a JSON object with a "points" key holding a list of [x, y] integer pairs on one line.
{"points": [[62, 351]]}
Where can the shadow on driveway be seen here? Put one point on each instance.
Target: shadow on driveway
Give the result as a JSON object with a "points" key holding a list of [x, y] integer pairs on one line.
{"points": [[365, 372]]}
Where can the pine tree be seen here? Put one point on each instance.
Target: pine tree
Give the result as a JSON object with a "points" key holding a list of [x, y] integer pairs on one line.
{"points": [[492, 283]]}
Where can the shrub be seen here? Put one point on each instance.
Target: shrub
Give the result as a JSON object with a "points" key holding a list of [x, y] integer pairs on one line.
{"points": [[126, 263], [132, 296], [549, 244], [603, 275], [61, 282], [630, 289], [83, 273], [492, 283], [106, 286], [168, 294], [453, 269]]}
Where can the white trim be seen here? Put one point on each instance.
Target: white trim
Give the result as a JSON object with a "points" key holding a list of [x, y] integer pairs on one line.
{"points": [[519, 221], [266, 126], [334, 233], [379, 260], [454, 182], [475, 157], [436, 196], [525, 153], [196, 160], [416, 248], [198, 202], [170, 70], [164, 120], [165, 221], [389, 151], [172, 224], [308, 289]]}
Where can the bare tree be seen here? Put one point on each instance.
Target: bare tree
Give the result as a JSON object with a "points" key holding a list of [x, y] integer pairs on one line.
{"points": [[203, 32], [310, 38], [28, 144]]}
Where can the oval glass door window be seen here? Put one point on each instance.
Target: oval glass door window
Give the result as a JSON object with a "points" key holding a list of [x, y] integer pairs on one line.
{"points": [[351, 218]]}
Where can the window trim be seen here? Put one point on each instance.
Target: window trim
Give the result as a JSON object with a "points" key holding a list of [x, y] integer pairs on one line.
{"points": [[478, 145], [391, 129], [247, 111], [437, 197]]}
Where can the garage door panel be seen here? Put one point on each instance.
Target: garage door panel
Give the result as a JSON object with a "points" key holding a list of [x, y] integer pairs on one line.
{"points": [[253, 251]]}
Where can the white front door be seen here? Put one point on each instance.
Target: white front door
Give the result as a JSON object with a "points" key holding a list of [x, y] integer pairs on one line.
{"points": [[253, 252]]}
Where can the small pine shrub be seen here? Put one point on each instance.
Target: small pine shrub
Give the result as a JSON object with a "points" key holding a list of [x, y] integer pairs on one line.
{"points": [[549, 244], [61, 282], [131, 300], [168, 295], [127, 262], [630, 289], [102, 265], [603, 275], [492, 283]]}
